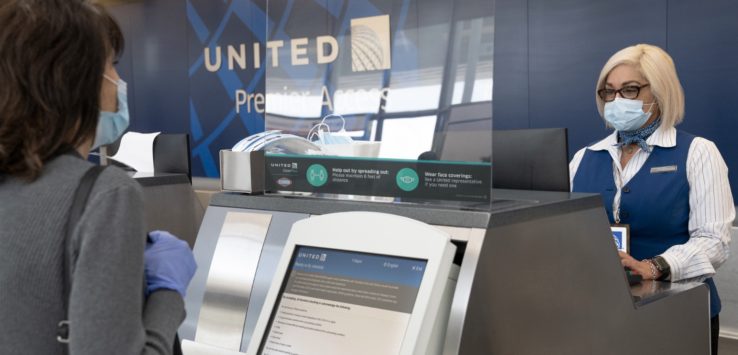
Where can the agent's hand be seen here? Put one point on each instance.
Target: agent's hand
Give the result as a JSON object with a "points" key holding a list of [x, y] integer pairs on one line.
{"points": [[169, 263], [642, 268]]}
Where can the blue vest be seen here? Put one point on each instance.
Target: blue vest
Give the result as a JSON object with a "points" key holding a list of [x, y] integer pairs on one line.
{"points": [[655, 205]]}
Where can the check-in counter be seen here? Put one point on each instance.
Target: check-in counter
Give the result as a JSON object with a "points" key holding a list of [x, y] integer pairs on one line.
{"points": [[539, 274]]}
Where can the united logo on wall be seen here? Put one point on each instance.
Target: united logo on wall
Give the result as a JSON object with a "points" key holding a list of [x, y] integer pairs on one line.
{"points": [[370, 43]]}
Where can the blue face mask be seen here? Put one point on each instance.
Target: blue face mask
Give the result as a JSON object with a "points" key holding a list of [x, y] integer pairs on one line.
{"points": [[626, 115], [111, 125]]}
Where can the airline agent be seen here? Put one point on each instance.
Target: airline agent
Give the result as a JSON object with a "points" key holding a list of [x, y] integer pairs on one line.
{"points": [[670, 187]]}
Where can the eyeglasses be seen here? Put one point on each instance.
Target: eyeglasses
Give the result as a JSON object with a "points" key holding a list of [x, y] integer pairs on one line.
{"points": [[627, 92]]}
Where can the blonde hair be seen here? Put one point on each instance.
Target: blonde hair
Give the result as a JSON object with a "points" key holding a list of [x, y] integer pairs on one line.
{"points": [[658, 68]]}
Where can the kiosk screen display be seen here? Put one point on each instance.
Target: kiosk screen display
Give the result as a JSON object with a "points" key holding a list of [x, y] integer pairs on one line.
{"points": [[343, 302]]}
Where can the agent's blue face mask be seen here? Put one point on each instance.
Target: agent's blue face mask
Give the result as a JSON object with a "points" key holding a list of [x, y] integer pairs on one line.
{"points": [[111, 125], [625, 114]]}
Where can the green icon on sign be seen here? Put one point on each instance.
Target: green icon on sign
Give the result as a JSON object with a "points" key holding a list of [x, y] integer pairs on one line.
{"points": [[407, 179], [317, 175]]}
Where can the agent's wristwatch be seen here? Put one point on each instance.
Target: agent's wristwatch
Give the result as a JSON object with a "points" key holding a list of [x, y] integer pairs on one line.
{"points": [[662, 266]]}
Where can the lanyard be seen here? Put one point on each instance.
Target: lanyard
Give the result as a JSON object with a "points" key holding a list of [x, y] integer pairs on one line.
{"points": [[618, 193]]}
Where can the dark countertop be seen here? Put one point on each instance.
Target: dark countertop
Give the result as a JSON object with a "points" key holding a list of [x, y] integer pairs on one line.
{"points": [[156, 179], [508, 206], [651, 291]]}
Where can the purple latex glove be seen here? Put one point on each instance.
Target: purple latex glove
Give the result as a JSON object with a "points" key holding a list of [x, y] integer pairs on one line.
{"points": [[169, 263]]}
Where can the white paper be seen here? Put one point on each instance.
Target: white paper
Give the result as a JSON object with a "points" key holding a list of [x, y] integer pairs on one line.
{"points": [[137, 151]]}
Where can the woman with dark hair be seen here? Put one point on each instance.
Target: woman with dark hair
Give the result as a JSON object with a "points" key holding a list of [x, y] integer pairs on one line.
{"points": [[59, 94]]}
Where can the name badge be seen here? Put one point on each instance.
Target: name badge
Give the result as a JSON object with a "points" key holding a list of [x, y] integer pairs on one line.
{"points": [[621, 235], [663, 169]]}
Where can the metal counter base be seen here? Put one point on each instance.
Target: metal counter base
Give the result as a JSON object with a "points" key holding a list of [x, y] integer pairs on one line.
{"points": [[539, 274]]}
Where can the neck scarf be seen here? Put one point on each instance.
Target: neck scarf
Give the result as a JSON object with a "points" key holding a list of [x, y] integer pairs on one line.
{"points": [[638, 136]]}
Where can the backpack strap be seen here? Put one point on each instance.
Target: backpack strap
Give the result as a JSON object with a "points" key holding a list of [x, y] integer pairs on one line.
{"points": [[79, 202]]}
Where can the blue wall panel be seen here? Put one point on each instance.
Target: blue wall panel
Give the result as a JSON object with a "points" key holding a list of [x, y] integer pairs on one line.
{"points": [[213, 121], [155, 64], [569, 43], [703, 39], [510, 99]]}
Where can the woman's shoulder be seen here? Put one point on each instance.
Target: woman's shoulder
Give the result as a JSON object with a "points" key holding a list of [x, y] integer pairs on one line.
{"points": [[703, 152], [693, 139], [115, 181], [579, 154], [69, 169], [696, 143], [703, 143], [116, 177]]}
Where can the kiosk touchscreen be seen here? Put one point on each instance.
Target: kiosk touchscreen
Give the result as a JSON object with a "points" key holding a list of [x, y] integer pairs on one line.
{"points": [[355, 283]]}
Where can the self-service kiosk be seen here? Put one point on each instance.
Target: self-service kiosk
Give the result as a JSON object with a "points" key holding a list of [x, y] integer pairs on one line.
{"points": [[538, 273], [347, 280]]}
